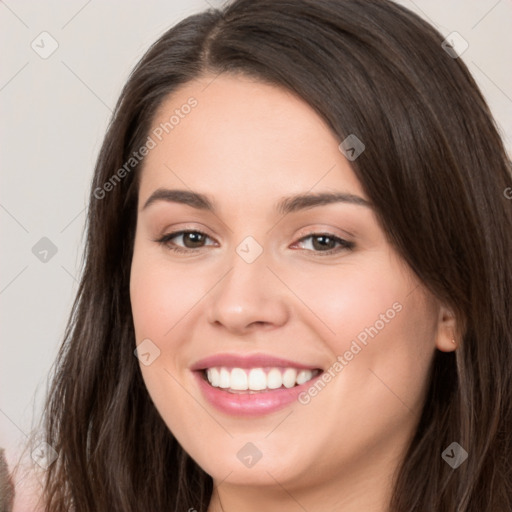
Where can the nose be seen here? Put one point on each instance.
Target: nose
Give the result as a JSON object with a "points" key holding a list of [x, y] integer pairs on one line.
{"points": [[248, 297]]}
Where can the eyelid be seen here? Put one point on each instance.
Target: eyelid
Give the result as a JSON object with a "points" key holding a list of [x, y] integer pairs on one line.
{"points": [[326, 229], [178, 229]]}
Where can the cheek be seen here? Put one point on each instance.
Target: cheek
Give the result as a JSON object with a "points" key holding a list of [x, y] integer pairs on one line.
{"points": [[166, 307], [353, 300], [161, 294], [375, 320]]}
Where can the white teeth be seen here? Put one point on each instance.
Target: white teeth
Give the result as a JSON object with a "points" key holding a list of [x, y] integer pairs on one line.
{"points": [[304, 376], [289, 377], [214, 377], [257, 379], [274, 379], [224, 378], [239, 379]]}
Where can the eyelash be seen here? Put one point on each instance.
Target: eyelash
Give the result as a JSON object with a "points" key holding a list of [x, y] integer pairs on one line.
{"points": [[165, 241]]}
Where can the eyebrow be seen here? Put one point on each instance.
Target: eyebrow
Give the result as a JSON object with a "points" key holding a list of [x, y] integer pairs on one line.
{"points": [[284, 206]]}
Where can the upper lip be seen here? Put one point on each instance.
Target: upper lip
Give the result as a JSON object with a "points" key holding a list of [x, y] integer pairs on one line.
{"points": [[247, 361]]}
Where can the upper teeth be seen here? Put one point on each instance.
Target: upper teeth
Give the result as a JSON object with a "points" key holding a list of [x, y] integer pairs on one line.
{"points": [[257, 379]]}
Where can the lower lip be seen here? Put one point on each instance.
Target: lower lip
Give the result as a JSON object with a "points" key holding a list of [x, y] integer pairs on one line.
{"points": [[251, 404]]}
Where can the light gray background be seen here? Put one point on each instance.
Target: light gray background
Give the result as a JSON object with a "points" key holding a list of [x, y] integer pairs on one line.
{"points": [[54, 115]]}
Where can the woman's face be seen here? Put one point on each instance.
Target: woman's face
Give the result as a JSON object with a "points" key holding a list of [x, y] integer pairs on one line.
{"points": [[314, 284]]}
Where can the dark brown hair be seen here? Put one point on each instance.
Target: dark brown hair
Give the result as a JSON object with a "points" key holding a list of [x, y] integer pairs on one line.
{"points": [[436, 171]]}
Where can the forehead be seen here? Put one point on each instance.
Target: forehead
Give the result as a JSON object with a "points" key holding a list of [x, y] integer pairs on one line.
{"points": [[234, 133]]}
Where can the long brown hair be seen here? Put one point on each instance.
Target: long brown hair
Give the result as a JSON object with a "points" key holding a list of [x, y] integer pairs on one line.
{"points": [[437, 173]]}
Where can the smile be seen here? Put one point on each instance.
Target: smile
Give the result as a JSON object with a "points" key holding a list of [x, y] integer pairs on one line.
{"points": [[237, 380], [252, 384]]}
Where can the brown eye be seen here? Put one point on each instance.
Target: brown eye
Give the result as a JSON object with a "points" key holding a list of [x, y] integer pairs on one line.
{"points": [[322, 242], [190, 240], [193, 239], [325, 243]]}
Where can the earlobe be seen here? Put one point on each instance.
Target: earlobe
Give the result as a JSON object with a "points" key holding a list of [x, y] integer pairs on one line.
{"points": [[446, 338]]}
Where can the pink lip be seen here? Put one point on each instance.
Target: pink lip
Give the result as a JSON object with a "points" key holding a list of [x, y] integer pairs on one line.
{"points": [[245, 403], [250, 405], [249, 361]]}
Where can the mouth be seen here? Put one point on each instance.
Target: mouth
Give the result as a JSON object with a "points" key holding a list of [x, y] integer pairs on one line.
{"points": [[252, 385], [257, 380]]}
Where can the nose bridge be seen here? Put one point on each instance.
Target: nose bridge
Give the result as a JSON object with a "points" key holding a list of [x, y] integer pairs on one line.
{"points": [[248, 293]]}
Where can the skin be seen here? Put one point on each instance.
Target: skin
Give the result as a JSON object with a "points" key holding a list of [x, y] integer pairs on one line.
{"points": [[247, 145]]}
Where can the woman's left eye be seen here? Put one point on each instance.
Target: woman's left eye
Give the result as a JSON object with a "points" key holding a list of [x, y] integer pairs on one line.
{"points": [[325, 243]]}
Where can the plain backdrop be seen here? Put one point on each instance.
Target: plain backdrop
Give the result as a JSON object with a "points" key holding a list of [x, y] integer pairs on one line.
{"points": [[54, 112]]}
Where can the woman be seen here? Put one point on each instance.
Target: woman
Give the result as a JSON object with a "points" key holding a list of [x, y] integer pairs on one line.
{"points": [[298, 225]]}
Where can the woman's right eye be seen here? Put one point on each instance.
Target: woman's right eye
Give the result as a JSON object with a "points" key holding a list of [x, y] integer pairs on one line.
{"points": [[191, 240]]}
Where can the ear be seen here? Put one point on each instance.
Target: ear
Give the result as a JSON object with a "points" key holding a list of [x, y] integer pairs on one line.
{"points": [[447, 338]]}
